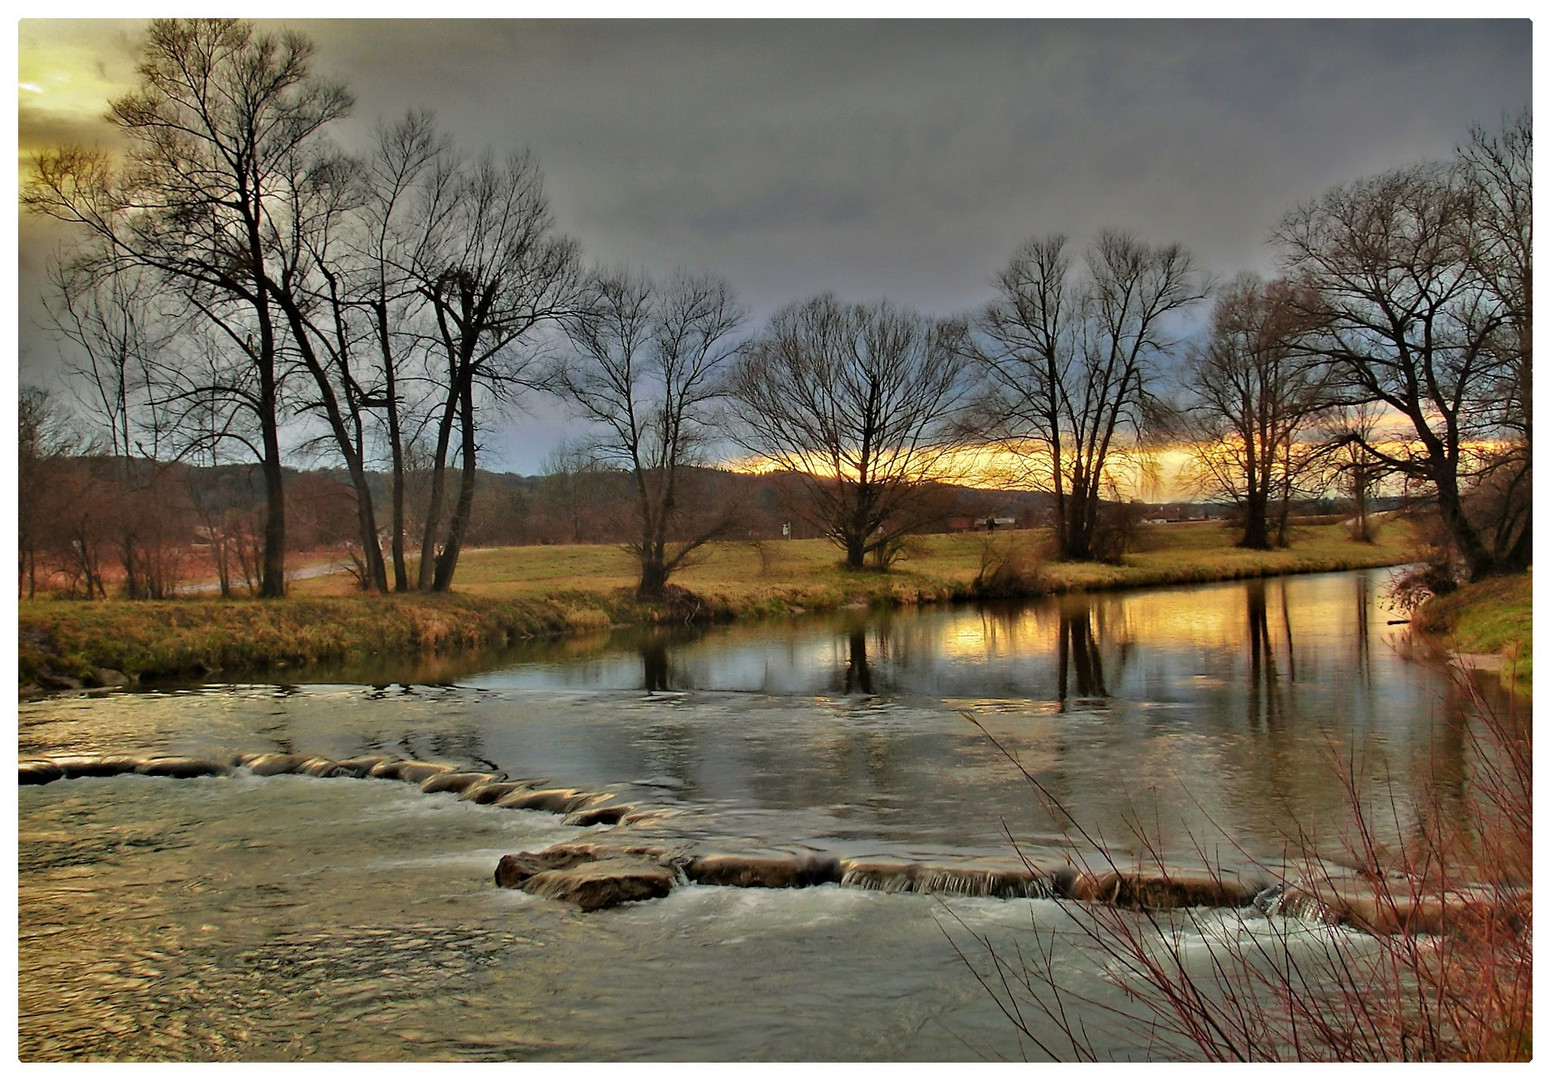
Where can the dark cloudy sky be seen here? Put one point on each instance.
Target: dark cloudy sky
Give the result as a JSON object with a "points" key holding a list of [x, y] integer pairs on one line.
{"points": [[897, 159]]}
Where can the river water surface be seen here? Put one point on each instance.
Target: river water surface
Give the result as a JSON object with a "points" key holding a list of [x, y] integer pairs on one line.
{"points": [[295, 918]]}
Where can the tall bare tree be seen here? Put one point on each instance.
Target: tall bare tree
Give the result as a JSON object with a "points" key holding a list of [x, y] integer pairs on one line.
{"points": [[495, 277], [647, 373], [1254, 397], [316, 289], [1071, 360], [1346, 466], [860, 402], [1407, 321], [1498, 173], [220, 111], [115, 319], [389, 248]]}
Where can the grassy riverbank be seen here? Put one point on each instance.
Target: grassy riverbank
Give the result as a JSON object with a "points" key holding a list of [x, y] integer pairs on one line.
{"points": [[1491, 618], [744, 579], [508, 594]]}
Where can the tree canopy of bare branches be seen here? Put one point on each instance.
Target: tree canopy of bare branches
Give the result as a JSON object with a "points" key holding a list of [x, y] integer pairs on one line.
{"points": [[1410, 279], [220, 114], [495, 276], [860, 401], [647, 371], [1254, 397], [1070, 358]]}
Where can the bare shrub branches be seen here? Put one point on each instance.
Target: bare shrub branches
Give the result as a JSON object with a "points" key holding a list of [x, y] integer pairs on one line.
{"points": [[1418, 950]]}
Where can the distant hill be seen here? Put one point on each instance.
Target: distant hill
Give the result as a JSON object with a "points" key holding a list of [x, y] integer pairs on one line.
{"points": [[588, 507]]}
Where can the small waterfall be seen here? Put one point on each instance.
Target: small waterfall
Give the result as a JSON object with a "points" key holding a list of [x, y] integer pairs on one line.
{"points": [[1004, 883]]}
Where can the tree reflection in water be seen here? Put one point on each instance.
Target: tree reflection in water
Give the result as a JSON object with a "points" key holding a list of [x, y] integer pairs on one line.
{"points": [[1078, 653], [858, 674]]}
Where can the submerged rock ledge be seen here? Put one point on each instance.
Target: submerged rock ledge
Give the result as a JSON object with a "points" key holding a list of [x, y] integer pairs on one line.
{"points": [[618, 868]]}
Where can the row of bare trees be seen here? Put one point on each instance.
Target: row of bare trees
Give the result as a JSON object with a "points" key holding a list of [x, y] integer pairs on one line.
{"points": [[1397, 345], [373, 302], [240, 278]]}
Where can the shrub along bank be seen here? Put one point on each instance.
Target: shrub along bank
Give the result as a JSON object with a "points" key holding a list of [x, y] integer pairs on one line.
{"points": [[512, 594]]}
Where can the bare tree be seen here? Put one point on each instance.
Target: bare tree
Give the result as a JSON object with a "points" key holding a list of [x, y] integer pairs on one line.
{"points": [[44, 439], [315, 288], [1406, 320], [114, 317], [403, 155], [1349, 468], [859, 401], [1498, 173], [649, 361], [1071, 363], [122, 330], [1253, 399], [495, 276], [219, 112]]}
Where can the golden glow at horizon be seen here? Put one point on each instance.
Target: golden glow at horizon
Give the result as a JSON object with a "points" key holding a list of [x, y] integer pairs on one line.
{"points": [[988, 466], [1158, 475]]}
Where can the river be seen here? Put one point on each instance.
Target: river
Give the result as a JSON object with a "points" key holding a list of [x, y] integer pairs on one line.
{"points": [[262, 918]]}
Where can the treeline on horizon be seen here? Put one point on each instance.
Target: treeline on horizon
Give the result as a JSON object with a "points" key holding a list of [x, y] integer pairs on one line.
{"points": [[156, 529], [243, 291]]}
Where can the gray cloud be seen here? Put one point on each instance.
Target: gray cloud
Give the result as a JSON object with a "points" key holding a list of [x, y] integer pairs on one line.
{"points": [[909, 159]]}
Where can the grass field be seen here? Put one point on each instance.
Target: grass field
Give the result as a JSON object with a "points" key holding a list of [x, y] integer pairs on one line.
{"points": [[775, 575], [506, 594], [1495, 617]]}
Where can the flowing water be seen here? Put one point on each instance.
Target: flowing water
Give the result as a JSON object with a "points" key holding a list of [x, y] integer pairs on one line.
{"points": [[296, 918]]}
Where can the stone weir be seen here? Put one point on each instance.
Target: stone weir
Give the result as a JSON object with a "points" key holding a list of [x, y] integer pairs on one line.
{"points": [[619, 864], [581, 808]]}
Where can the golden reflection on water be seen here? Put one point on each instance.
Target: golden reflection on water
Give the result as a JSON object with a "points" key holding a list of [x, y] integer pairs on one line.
{"points": [[1214, 617]]}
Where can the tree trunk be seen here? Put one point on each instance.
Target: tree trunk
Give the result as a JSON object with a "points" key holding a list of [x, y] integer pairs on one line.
{"points": [[446, 563], [427, 573], [272, 576], [396, 445], [1080, 523], [653, 577], [1256, 529], [855, 551], [1521, 555], [1479, 561]]}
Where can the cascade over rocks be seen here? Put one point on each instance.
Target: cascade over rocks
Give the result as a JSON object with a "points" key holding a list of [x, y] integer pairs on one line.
{"points": [[553, 800], [271, 764], [490, 790], [604, 883], [415, 772], [763, 871], [598, 875], [91, 766], [39, 772], [1386, 912], [611, 814], [453, 781], [1158, 890]]}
